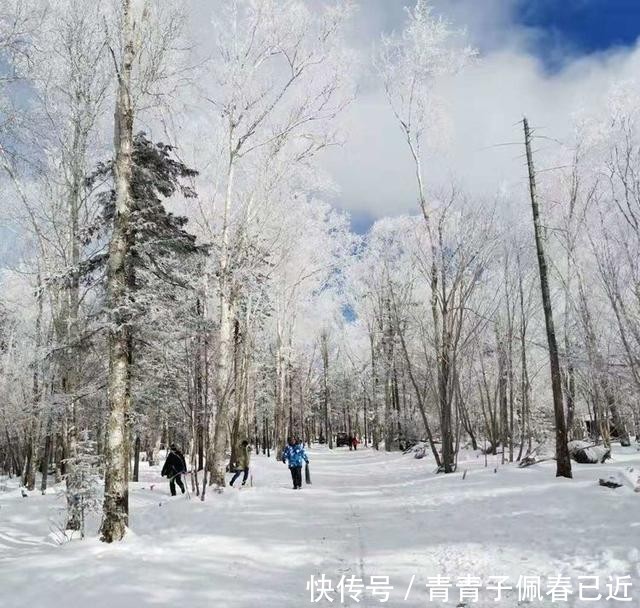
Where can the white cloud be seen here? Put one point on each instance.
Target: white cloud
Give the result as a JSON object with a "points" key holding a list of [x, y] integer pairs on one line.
{"points": [[373, 169]]}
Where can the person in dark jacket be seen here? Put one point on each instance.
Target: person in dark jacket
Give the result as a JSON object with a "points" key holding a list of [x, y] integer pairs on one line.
{"points": [[174, 466], [294, 455], [242, 463]]}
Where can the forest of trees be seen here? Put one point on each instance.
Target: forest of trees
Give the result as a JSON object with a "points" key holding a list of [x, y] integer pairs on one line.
{"points": [[173, 271]]}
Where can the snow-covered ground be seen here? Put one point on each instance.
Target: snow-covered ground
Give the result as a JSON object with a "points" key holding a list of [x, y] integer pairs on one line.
{"points": [[366, 515]]}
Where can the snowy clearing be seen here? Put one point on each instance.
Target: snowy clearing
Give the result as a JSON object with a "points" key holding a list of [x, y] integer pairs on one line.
{"points": [[367, 514]]}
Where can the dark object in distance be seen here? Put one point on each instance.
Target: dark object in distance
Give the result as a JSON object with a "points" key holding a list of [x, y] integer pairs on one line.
{"points": [[342, 439]]}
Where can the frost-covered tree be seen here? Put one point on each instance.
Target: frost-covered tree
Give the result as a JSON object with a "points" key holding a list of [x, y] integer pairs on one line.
{"points": [[274, 86], [409, 65], [141, 47]]}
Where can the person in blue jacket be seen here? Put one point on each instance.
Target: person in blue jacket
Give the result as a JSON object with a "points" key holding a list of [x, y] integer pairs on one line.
{"points": [[294, 456]]}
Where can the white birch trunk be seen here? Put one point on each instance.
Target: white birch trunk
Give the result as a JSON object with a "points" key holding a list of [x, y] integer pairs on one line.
{"points": [[220, 431], [116, 497]]}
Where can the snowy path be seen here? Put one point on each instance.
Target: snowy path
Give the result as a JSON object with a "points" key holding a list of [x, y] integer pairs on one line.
{"points": [[366, 514]]}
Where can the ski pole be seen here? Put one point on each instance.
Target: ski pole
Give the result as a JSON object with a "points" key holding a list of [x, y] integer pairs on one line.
{"points": [[186, 485], [176, 475]]}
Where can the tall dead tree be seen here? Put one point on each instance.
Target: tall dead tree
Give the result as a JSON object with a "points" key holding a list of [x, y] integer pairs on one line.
{"points": [[563, 462]]}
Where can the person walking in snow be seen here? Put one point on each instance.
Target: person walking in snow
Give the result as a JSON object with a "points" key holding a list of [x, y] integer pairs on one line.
{"points": [[242, 463], [174, 466], [354, 442], [294, 456]]}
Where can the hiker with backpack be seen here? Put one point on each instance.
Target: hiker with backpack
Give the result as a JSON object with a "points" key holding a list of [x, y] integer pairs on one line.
{"points": [[242, 463], [294, 456], [174, 467]]}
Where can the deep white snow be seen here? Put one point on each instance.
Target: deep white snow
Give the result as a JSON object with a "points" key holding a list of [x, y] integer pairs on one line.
{"points": [[366, 514]]}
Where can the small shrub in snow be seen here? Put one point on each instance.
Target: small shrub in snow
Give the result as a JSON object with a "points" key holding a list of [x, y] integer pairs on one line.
{"points": [[610, 482], [83, 485]]}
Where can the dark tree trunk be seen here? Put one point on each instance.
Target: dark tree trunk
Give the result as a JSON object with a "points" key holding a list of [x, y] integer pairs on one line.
{"points": [[136, 459], [563, 461]]}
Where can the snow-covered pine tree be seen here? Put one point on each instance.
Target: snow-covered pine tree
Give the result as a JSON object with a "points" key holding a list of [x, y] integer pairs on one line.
{"points": [[164, 265]]}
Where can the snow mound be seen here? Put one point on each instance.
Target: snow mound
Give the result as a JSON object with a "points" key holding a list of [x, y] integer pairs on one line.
{"points": [[629, 478], [587, 453], [419, 450]]}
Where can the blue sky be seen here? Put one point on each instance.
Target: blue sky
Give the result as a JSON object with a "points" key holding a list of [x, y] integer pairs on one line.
{"points": [[582, 26]]}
